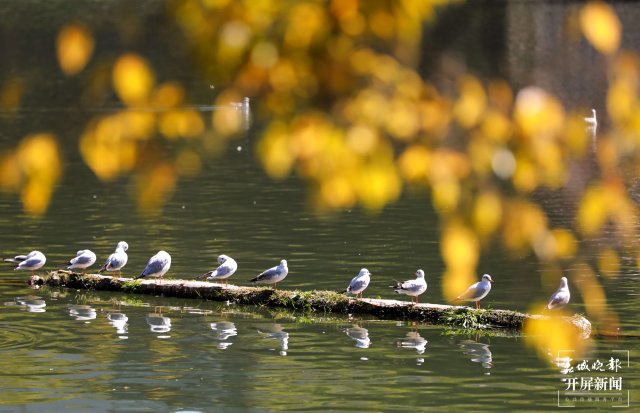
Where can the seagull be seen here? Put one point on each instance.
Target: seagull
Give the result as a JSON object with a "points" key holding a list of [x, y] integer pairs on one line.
{"points": [[359, 283], [412, 287], [157, 266], [30, 262], [592, 121], [561, 297], [117, 260], [477, 291], [83, 260], [227, 268], [273, 275]]}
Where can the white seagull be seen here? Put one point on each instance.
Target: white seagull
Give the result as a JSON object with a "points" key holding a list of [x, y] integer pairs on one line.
{"points": [[561, 297], [593, 120], [83, 260], [477, 291], [157, 266], [117, 260], [30, 262], [227, 267], [412, 287], [359, 283], [273, 275]]}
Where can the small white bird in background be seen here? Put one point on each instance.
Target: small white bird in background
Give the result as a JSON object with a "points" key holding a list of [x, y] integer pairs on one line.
{"points": [[83, 260], [561, 297], [359, 283], [117, 260], [477, 291], [157, 266], [412, 287], [593, 120], [227, 267], [30, 262], [273, 275]]}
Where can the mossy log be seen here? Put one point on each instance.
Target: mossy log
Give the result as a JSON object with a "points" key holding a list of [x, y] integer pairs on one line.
{"points": [[326, 301]]}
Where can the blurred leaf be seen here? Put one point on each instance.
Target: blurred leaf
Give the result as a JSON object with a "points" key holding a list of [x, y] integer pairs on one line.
{"points": [[460, 250], [41, 167], [487, 213], [133, 79], [75, 47], [472, 102], [601, 26], [609, 263], [154, 185], [550, 335]]}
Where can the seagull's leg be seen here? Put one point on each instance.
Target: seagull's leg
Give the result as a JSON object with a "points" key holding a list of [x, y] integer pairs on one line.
{"points": [[477, 305]]}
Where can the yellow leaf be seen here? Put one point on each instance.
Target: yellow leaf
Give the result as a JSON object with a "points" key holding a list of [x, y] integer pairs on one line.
{"points": [[601, 26], [275, 151], [592, 212], [551, 336], [472, 102], [39, 160], [609, 263], [487, 213], [565, 243], [9, 172], [75, 47], [460, 248], [154, 186], [414, 163], [455, 281], [538, 114], [132, 79]]}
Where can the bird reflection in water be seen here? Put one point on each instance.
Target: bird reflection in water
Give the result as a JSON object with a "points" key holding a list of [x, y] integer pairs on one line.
{"points": [[32, 303], [82, 312], [479, 352], [222, 330], [275, 331], [159, 323], [413, 340], [360, 335], [119, 321]]}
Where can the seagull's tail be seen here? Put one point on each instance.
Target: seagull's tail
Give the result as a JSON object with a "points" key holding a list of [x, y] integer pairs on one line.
{"points": [[205, 275], [343, 292], [142, 275], [254, 279], [103, 269]]}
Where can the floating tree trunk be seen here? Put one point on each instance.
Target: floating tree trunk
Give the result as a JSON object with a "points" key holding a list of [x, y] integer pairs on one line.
{"points": [[317, 300]]}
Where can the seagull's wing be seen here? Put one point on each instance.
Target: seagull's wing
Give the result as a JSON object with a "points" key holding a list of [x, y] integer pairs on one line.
{"points": [[17, 258], [30, 262], [268, 274], [560, 297], [222, 270], [81, 260], [358, 283], [155, 266], [473, 292]]}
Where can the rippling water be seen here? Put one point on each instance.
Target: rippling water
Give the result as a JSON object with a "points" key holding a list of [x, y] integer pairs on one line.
{"points": [[87, 352]]}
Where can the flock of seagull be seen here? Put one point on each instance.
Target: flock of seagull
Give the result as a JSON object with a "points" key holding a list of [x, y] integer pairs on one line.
{"points": [[160, 263]]}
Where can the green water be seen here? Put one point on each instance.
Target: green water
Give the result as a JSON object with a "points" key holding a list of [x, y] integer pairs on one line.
{"points": [[67, 355], [52, 361]]}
